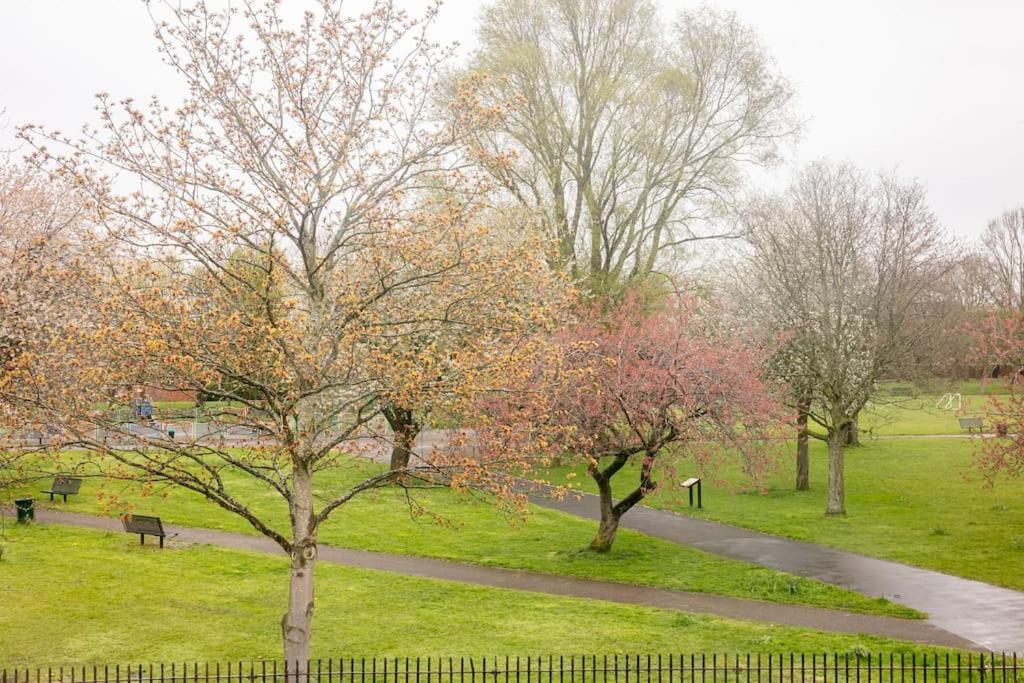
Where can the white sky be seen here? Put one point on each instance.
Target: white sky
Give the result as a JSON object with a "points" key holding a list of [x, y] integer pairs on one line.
{"points": [[932, 88]]}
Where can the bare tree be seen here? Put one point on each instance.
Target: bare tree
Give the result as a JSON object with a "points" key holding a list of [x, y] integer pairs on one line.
{"points": [[624, 135], [952, 304], [838, 265], [1003, 245]]}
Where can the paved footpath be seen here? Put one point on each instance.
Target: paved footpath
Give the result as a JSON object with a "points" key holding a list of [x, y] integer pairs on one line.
{"points": [[979, 612], [988, 615], [734, 608], [973, 612]]}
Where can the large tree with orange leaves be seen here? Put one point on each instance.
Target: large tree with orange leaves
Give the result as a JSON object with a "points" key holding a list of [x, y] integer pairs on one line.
{"points": [[301, 234]]}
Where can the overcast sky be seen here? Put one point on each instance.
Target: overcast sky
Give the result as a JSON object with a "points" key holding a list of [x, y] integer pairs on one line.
{"points": [[931, 88]]}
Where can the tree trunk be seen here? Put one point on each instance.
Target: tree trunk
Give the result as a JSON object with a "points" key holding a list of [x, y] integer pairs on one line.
{"points": [[296, 626], [853, 433], [611, 512], [836, 481], [405, 430], [609, 526], [803, 468]]}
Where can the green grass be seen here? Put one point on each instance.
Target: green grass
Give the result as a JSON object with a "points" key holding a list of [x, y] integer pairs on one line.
{"points": [[75, 596], [920, 414], [916, 501], [473, 531]]}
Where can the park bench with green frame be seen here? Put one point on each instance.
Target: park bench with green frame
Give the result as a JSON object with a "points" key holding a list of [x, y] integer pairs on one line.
{"points": [[144, 525], [971, 423], [65, 486]]}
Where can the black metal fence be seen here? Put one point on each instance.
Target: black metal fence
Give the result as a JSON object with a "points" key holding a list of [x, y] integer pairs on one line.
{"points": [[858, 666]]}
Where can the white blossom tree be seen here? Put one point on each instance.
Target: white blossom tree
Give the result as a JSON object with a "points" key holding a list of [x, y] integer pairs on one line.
{"points": [[838, 265], [43, 264]]}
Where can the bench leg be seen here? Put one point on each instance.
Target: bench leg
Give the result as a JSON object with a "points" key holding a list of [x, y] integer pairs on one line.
{"points": [[51, 496], [161, 541], [142, 539], [65, 497]]}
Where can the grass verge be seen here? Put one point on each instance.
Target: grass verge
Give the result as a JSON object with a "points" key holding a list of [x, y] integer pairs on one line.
{"points": [[75, 596], [473, 531]]}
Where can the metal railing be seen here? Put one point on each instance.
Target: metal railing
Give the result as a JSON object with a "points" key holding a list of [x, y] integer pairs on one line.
{"points": [[857, 666]]}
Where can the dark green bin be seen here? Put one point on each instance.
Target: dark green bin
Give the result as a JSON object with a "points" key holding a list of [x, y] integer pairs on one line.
{"points": [[26, 508]]}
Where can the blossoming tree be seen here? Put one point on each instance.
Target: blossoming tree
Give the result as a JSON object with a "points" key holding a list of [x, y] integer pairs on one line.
{"points": [[630, 386], [1000, 343], [281, 236]]}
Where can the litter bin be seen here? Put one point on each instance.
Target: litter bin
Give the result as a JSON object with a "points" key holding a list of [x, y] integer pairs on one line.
{"points": [[26, 509]]}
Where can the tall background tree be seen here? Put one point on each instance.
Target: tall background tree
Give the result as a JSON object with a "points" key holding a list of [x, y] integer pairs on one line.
{"points": [[839, 266], [315, 148], [1003, 247], [625, 135]]}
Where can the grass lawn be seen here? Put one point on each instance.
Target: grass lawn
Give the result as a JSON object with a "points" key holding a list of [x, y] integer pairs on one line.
{"points": [[547, 541], [915, 501], [924, 413], [75, 596], [920, 416]]}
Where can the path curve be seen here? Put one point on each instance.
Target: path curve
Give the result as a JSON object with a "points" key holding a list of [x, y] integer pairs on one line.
{"points": [[551, 584], [972, 611], [989, 615]]}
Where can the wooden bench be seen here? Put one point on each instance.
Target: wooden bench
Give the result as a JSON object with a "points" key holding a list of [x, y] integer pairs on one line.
{"points": [[144, 525], [689, 485], [970, 423], [65, 486]]}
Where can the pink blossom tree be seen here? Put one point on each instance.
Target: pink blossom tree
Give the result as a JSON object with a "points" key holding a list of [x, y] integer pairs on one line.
{"points": [[1000, 344], [627, 385]]}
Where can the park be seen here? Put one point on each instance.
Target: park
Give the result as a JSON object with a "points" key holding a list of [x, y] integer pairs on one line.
{"points": [[363, 355]]}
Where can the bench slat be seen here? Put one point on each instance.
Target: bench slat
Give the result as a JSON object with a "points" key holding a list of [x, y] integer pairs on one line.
{"points": [[65, 485], [143, 524]]}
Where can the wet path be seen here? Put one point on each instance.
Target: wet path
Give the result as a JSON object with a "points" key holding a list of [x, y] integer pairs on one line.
{"points": [[989, 615], [985, 614], [975, 612], [536, 582]]}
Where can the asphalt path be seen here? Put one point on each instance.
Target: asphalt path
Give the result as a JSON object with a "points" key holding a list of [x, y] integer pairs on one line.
{"points": [[535, 582]]}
